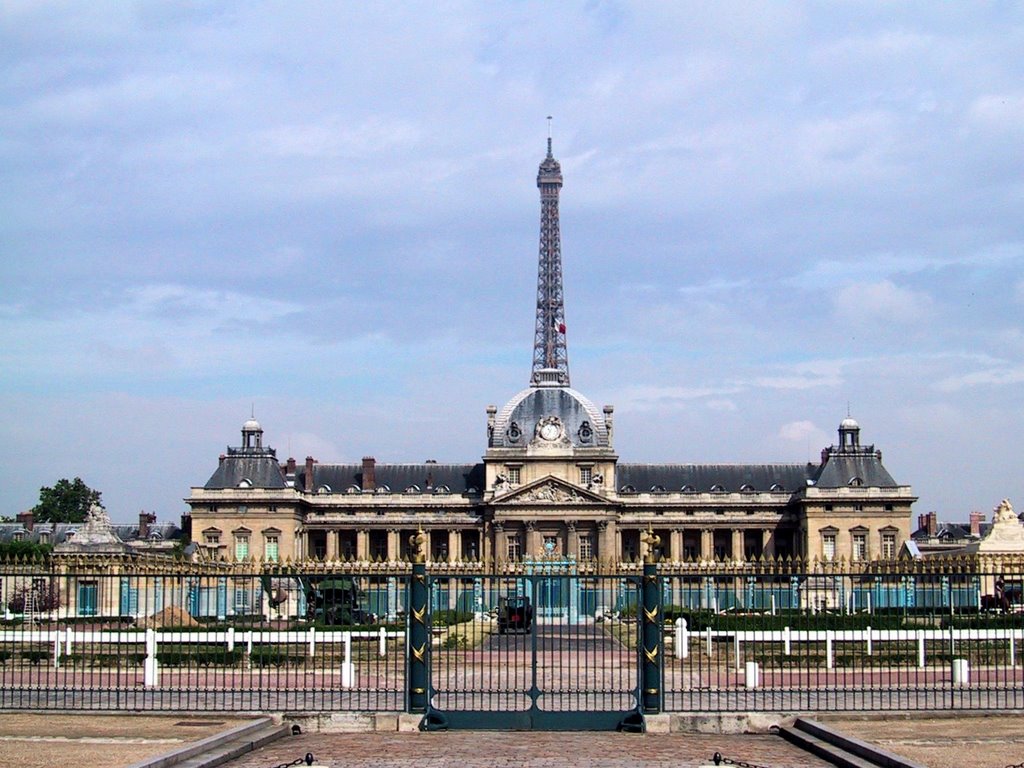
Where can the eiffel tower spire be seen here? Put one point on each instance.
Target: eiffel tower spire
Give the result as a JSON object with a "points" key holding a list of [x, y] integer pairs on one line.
{"points": [[550, 354]]}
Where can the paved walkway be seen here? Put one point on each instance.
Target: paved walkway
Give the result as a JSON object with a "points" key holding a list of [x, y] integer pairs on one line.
{"points": [[487, 749]]}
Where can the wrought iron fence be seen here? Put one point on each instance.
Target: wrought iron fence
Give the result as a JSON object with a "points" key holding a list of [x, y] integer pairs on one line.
{"points": [[119, 634]]}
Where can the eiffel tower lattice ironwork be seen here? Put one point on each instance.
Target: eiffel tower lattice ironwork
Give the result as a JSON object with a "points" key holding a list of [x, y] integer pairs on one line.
{"points": [[550, 353]]}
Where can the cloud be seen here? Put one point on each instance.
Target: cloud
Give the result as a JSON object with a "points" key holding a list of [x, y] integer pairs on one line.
{"points": [[803, 433], [881, 302], [998, 111], [991, 377]]}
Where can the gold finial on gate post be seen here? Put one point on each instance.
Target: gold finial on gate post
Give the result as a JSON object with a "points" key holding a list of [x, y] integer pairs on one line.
{"points": [[416, 549], [653, 541]]}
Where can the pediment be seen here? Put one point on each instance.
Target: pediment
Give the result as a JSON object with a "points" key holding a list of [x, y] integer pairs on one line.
{"points": [[550, 490]]}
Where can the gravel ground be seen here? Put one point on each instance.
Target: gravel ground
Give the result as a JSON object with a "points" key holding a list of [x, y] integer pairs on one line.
{"points": [[98, 741]]}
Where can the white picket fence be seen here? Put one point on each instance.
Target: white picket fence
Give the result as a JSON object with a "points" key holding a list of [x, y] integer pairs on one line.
{"points": [[63, 642], [951, 637]]}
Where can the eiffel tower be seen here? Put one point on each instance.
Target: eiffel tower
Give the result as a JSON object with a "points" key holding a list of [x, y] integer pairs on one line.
{"points": [[550, 354]]}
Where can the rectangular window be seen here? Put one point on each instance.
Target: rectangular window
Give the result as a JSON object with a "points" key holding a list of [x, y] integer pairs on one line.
{"points": [[241, 548], [860, 546], [889, 546], [271, 549], [586, 547], [828, 546], [515, 548], [513, 475], [241, 600], [586, 475]]}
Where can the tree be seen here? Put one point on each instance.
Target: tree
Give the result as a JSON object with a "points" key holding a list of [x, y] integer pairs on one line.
{"points": [[67, 502]]}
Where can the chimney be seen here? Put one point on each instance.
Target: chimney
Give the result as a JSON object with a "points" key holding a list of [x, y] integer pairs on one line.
{"points": [[25, 518], [976, 520], [146, 519], [933, 524], [369, 479], [921, 521], [824, 455], [289, 467], [309, 474]]}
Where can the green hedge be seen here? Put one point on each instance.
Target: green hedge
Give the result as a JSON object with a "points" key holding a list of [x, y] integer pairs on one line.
{"points": [[448, 617], [275, 657], [697, 621], [200, 656]]}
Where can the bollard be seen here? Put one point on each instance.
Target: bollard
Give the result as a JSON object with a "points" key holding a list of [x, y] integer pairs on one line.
{"points": [[752, 675], [707, 645], [736, 649], [68, 637], [382, 643], [682, 643], [787, 641], [347, 667], [829, 659], [961, 672], [150, 669], [870, 648], [231, 639], [920, 648], [312, 641]]}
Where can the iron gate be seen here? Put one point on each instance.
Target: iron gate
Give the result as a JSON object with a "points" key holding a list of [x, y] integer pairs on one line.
{"points": [[546, 649]]}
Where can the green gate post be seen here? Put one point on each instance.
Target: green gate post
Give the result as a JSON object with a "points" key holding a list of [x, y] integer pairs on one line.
{"points": [[650, 632], [418, 655]]}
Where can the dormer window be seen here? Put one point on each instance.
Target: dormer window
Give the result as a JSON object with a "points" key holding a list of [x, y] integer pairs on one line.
{"points": [[442, 489], [413, 489], [716, 488], [688, 489], [245, 483], [777, 488], [657, 489], [747, 488], [352, 489], [627, 489], [324, 489], [383, 489], [856, 482], [19, 536]]}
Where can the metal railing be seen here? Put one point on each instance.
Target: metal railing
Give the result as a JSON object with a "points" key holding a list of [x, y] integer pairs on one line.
{"points": [[119, 634]]}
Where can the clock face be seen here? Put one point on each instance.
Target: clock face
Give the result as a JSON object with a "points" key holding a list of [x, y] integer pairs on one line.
{"points": [[550, 431]]}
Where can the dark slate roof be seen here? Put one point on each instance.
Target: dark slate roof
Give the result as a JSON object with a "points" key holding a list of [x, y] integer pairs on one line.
{"points": [[458, 478], [59, 531], [259, 467], [841, 468], [703, 477]]}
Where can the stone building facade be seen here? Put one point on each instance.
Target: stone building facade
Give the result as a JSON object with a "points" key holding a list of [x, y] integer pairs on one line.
{"points": [[550, 485]]}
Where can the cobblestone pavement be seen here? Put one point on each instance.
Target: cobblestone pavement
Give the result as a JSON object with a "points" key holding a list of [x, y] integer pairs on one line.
{"points": [[488, 749], [978, 741], [98, 741]]}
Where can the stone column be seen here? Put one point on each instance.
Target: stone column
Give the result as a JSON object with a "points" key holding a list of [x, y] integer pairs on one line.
{"points": [[332, 545], [767, 544], [394, 544], [362, 544], [572, 544], [494, 545], [532, 543], [676, 545], [707, 544], [737, 544], [605, 540], [454, 545]]}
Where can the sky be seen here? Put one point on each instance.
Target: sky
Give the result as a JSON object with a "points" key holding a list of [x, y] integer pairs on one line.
{"points": [[326, 214]]}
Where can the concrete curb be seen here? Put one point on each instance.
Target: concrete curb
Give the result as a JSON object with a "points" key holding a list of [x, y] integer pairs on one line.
{"points": [[208, 744], [854, 746]]}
